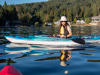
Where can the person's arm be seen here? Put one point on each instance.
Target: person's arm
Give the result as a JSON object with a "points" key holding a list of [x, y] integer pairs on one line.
{"points": [[69, 31]]}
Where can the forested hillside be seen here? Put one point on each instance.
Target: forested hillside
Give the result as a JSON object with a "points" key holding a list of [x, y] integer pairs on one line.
{"points": [[51, 11]]}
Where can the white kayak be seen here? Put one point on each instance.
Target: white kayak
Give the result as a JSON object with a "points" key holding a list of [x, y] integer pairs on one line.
{"points": [[46, 40]]}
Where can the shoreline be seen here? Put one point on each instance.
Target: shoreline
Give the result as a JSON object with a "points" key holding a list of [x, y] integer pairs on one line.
{"points": [[83, 25]]}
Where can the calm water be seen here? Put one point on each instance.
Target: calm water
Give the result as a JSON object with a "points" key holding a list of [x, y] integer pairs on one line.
{"points": [[44, 60]]}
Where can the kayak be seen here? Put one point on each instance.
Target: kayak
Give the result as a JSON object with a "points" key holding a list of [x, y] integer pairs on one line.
{"points": [[10, 70], [46, 40]]}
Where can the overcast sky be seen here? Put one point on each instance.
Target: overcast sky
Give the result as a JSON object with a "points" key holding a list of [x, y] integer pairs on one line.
{"points": [[19, 1]]}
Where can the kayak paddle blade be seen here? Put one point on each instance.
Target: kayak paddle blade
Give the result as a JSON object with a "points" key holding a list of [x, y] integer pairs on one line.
{"points": [[79, 40]]}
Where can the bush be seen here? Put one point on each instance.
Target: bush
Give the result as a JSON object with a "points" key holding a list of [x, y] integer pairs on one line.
{"points": [[87, 20]]}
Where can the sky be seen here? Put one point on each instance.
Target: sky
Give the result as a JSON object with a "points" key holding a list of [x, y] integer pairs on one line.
{"points": [[19, 1]]}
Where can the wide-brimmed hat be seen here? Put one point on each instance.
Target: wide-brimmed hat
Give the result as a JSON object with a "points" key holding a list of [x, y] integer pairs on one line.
{"points": [[63, 18]]}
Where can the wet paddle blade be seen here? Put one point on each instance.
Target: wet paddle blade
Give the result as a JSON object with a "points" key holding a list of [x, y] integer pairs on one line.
{"points": [[79, 40]]}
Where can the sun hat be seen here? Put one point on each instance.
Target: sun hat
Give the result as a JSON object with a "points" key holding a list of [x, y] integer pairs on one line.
{"points": [[63, 18]]}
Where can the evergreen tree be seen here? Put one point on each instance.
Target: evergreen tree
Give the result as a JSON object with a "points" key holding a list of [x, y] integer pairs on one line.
{"points": [[5, 5]]}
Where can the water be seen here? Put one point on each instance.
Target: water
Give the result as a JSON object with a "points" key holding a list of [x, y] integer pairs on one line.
{"points": [[45, 60]]}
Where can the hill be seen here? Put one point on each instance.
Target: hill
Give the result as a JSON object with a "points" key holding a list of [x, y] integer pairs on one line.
{"points": [[52, 10]]}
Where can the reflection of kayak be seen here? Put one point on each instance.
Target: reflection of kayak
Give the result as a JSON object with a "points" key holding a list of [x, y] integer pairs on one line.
{"points": [[17, 45], [45, 40], [11, 47], [9, 70]]}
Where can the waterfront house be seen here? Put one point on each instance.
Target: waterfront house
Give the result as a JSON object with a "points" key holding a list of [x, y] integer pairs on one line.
{"points": [[57, 22], [80, 22], [95, 20], [48, 23]]}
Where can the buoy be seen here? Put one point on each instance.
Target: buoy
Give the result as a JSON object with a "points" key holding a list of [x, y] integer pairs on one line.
{"points": [[10, 70]]}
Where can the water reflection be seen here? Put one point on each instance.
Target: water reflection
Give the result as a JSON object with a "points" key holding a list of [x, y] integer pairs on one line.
{"points": [[33, 53], [86, 54], [2, 60], [26, 47], [30, 30], [9, 60], [60, 56], [64, 57], [86, 30], [3, 53], [35, 50], [93, 60]]}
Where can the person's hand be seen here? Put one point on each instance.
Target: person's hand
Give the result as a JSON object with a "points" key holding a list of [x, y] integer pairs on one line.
{"points": [[54, 35], [62, 36]]}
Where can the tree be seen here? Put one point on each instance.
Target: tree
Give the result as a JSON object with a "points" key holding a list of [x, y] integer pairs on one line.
{"points": [[75, 19], [12, 13], [1, 12], [87, 12], [25, 18], [94, 10], [1, 16], [51, 11], [87, 20], [69, 15], [5, 5]]}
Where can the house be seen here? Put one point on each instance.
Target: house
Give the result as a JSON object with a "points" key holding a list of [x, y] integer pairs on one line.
{"points": [[80, 22], [95, 20], [48, 23]]}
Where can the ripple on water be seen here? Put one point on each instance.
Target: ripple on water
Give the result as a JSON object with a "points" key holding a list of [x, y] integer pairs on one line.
{"points": [[47, 62]]}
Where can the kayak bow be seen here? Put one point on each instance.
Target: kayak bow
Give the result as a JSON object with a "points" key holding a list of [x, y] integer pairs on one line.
{"points": [[10, 70]]}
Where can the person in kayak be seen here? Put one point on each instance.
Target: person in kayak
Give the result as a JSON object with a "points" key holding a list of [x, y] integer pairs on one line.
{"points": [[64, 29]]}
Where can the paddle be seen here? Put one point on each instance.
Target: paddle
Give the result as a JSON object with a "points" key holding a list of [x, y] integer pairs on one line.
{"points": [[79, 40]]}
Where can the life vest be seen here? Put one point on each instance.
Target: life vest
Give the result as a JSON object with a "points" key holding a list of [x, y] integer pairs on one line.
{"points": [[63, 31]]}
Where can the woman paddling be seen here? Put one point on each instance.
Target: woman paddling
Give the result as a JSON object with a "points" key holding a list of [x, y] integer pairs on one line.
{"points": [[64, 30]]}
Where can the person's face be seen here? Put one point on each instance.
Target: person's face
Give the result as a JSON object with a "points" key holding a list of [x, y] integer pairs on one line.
{"points": [[63, 22]]}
